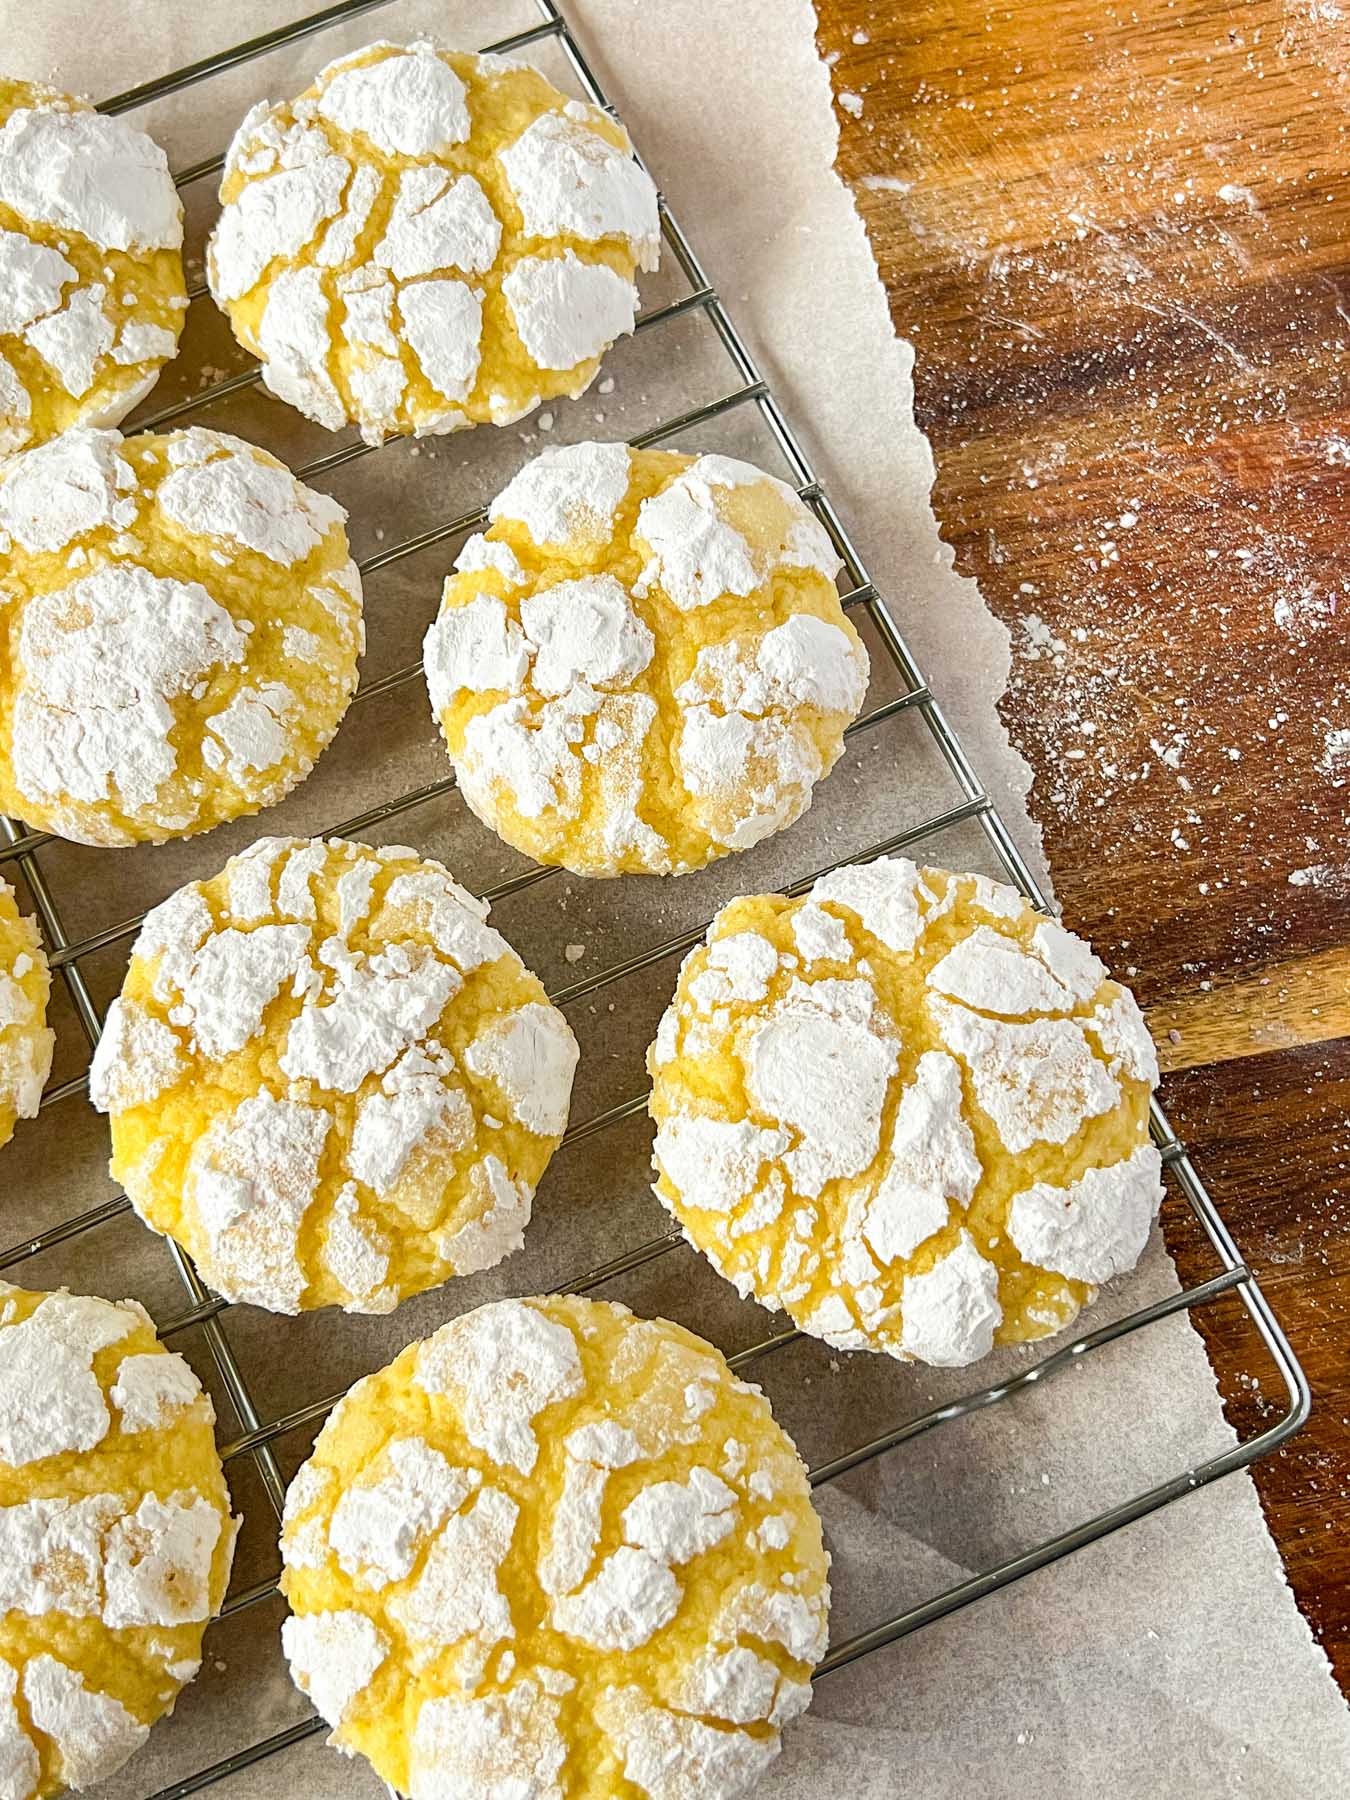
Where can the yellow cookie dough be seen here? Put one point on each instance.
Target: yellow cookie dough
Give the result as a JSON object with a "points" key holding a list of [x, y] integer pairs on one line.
{"points": [[330, 1081], [426, 240], [179, 628], [643, 663], [25, 1042], [909, 1109], [115, 1536], [91, 279], [555, 1551]]}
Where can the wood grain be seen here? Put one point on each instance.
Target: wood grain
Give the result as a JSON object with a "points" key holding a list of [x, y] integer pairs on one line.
{"points": [[1116, 236]]}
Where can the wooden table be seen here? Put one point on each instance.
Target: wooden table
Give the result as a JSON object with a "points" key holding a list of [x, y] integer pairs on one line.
{"points": [[1117, 238]]}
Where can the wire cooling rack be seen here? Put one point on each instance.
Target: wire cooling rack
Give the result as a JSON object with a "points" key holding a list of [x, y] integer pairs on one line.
{"points": [[259, 1436]]}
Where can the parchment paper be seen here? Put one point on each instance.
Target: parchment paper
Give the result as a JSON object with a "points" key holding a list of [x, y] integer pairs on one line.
{"points": [[1169, 1659]]}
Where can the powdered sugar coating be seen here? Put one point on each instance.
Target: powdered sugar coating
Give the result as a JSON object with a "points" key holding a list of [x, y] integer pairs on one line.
{"points": [[90, 271], [361, 1082], [183, 627], [569, 1465], [115, 1535], [26, 1040], [425, 240], [908, 1109], [597, 720]]}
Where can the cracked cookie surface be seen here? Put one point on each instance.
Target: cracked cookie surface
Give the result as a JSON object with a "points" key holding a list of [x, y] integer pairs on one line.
{"points": [[643, 663], [560, 1551], [907, 1108], [115, 1536], [426, 240], [26, 1041], [180, 623], [329, 1079], [92, 299]]}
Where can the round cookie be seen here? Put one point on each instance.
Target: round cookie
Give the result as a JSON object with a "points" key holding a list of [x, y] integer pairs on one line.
{"points": [[115, 1536], [643, 663], [330, 1081], [91, 280], [26, 1043], [909, 1109], [426, 240], [555, 1550], [179, 628]]}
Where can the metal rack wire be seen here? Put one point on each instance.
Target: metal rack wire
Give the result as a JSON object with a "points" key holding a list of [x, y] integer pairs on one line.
{"points": [[258, 1437]]}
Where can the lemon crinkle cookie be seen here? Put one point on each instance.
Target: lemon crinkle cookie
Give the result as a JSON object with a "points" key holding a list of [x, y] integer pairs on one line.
{"points": [[91, 279], [643, 664], [427, 240], [330, 1081], [180, 623], [115, 1536], [908, 1108], [555, 1550], [26, 1042]]}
